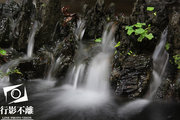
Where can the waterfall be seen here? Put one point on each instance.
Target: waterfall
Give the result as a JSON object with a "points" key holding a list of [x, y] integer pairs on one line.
{"points": [[31, 39], [77, 74], [160, 61], [87, 83], [80, 29], [53, 68]]}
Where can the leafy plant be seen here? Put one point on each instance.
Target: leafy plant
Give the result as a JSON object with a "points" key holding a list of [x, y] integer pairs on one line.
{"points": [[177, 60], [3, 52], [2, 74], [140, 31], [150, 8], [13, 71], [98, 40]]}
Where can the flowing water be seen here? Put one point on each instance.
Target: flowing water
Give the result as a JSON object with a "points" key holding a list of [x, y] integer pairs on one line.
{"points": [[31, 39], [13, 63], [160, 60], [88, 86], [4, 81]]}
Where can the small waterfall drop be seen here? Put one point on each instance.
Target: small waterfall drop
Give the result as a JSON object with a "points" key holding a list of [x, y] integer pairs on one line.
{"points": [[77, 74], [31, 39], [160, 61], [80, 29], [53, 68]]}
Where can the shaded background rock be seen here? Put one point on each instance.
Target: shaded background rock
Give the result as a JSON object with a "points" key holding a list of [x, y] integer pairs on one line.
{"points": [[51, 17]]}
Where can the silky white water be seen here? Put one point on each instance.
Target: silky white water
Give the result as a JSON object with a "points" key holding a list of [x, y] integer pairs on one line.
{"points": [[160, 61], [31, 39], [94, 87], [87, 86]]}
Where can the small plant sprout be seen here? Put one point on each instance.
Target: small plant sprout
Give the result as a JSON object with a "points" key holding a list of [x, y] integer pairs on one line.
{"points": [[98, 40], [3, 52], [118, 44], [138, 30]]}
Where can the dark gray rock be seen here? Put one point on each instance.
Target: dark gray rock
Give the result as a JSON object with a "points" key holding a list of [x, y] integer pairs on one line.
{"points": [[132, 77]]}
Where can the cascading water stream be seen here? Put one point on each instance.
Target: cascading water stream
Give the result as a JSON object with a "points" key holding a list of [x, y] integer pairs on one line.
{"points": [[77, 71], [7, 67], [31, 39], [160, 61], [88, 85], [77, 74]]}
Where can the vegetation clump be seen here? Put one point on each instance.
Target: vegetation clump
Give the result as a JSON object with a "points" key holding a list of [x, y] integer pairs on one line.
{"points": [[138, 30], [177, 60]]}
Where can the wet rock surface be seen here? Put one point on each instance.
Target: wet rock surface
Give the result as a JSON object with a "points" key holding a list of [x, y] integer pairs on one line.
{"points": [[132, 77]]}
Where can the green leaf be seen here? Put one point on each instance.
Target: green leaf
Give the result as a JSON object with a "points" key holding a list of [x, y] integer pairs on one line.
{"points": [[150, 8], [3, 52], [128, 27], [98, 40], [149, 36], [139, 25], [17, 71], [167, 46], [118, 44], [130, 31], [140, 38], [139, 31]]}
